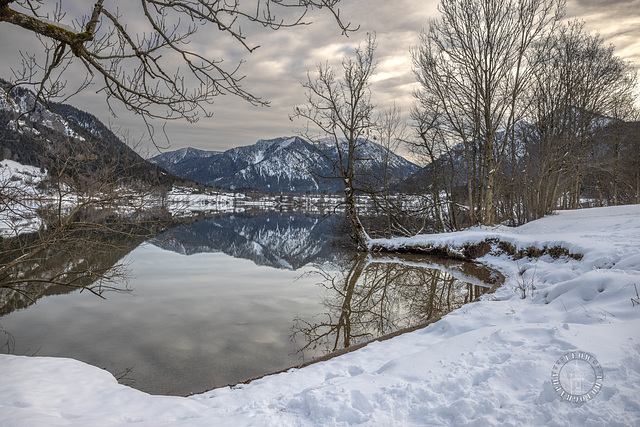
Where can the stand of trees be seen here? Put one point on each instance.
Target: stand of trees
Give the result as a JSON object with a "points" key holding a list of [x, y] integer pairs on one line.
{"points": [[517, 114], [523, 111], [583, 93]]}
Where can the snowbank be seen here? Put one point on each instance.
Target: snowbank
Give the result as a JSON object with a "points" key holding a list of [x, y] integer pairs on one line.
{"points": [[488, 363]]}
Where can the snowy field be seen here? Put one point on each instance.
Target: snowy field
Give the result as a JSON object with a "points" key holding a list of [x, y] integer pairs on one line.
{"points": [[488, 363]]}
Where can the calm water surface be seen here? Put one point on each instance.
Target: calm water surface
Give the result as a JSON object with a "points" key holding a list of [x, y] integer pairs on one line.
{"points": [[231, 298]]}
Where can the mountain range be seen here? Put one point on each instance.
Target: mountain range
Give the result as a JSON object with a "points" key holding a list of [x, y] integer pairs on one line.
{"points": [[286, 164], [38, 135]]}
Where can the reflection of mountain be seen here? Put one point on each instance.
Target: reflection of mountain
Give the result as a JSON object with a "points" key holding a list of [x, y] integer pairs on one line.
{"points": [[275, 240]]}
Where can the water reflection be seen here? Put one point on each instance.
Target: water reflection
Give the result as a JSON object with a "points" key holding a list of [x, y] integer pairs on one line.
{"points": [[225, 313], [92, 262], [368, 297], [274, 240]]}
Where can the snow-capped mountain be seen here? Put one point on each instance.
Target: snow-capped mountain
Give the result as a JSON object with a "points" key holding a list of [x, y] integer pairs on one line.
{"points": [[170, 158], [286, 164]]}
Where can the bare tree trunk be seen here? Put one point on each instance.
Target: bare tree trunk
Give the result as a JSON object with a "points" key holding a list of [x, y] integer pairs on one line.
{"points": [[488, 195], [342, 110], [616, 166], [360, 236], [471, 167], [638, 185]]}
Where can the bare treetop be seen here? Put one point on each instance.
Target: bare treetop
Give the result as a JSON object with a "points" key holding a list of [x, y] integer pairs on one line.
{"points": [[147, 56]]}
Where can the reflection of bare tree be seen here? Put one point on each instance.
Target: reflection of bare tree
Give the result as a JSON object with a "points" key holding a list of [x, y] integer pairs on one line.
{"points": [[7, 342], [370, 298], [87, 262], [339, 304]]}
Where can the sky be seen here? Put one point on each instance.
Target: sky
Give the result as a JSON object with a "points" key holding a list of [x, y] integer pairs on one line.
{"points": [[275, 70]]}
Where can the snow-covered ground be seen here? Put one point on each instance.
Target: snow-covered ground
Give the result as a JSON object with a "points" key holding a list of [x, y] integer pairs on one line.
{"points": [[488, 363], [18, 202]]}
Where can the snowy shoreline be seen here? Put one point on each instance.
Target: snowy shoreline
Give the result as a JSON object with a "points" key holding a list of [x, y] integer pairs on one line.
{"points": [[487, 363]]}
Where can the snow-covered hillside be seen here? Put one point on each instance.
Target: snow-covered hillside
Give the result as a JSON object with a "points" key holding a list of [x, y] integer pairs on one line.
{"points": [[71, 141], [487, 363], [22, 101], [169, 159]]}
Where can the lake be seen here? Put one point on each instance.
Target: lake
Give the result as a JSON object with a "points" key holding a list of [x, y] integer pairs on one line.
{"points": [[233, 297]]}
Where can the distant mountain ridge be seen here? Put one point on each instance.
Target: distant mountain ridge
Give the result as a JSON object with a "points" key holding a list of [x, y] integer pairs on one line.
{"points": [[282, 164], [168, 159]]}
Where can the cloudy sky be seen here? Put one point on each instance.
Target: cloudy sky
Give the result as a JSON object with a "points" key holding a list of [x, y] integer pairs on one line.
{"points": [[275, 70]]}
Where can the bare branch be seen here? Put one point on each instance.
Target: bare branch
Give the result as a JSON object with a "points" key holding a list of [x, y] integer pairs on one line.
{"points": [[137, 68]]}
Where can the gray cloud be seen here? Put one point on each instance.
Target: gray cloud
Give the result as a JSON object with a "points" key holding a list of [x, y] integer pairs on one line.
{"points": [[617, 21], [275, 70], [602, 4]]}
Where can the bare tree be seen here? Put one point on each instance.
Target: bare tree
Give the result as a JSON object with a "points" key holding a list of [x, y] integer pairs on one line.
{"points": [[581, 88], [624, 145], [146, 58], [339, 115], [389, 133], [437, 150], [473, 65]]}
